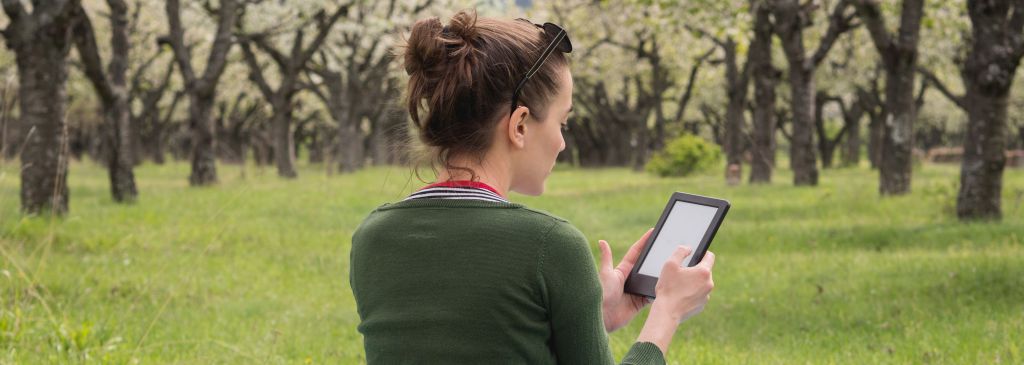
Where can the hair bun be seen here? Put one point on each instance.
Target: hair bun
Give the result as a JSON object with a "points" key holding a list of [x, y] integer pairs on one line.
{"points": [[463, 25], [430, 43], [425, 48]]}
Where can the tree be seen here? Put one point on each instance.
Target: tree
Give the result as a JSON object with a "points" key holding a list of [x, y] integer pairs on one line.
{"points": [[202, 89], [147, 123], [234, 126], [290, 67], [827, 145], [766, 77], [620, 121], [898, 53], [352, 76], [112, 88], [41, 42], [996, 48], [737, 80], [790, 20]]}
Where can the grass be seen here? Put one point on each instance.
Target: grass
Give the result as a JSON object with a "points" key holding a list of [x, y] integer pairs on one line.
{"points": [[254, 269]]}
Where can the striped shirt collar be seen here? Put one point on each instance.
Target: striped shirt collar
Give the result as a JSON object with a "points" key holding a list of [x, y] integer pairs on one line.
{"points": [[459, 190]]}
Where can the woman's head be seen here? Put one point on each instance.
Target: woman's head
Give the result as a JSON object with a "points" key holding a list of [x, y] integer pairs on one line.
{"points": [[462, 79]]}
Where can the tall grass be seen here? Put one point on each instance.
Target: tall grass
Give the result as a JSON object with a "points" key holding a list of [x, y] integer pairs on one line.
{"points": [[254, 270]]}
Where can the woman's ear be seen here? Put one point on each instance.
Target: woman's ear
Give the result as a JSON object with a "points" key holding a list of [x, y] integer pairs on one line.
{"points": [[516, 128]]}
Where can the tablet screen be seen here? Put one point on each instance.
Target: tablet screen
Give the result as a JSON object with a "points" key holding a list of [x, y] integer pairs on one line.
{"points": [[686, 225]]}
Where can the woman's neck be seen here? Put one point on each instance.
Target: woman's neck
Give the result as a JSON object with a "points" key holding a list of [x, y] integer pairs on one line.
{"points": [[486, 172]]}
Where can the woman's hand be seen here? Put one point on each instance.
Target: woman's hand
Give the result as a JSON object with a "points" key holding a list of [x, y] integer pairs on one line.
{"points": [[683, 291], [618, 306]]}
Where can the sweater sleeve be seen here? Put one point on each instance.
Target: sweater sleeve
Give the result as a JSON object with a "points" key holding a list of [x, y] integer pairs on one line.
{"points": [[573, 293]]}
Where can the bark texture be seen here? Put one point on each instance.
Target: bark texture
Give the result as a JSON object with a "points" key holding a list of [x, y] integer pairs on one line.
{"points": [[899, 58], [41, 41], [112, 88], [290, 66], [790, 21], [765, 77], [202, 89], [997, 44]]}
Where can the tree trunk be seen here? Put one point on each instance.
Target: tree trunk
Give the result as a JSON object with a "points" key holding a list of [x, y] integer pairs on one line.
{"points": [[898, 53], [42, 75], [790, 17], [988, 74], [204, 161], [639, 152], [765, 78], [981, 172], [41, 42], [112, 88], [284, 144], [122, 178], [158, 148], [851, 146], [875, 132], [789, 28], [801, 145], [736, 89], [820, 99], [826, 145], [11, 135], [351, 153], [202, 89], [898, 130]]}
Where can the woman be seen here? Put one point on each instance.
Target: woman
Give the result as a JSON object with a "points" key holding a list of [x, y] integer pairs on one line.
{"points": [[456, 273]]}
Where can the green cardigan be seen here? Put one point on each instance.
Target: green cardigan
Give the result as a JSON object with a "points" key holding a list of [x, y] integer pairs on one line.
{"points": [[476, 282]]}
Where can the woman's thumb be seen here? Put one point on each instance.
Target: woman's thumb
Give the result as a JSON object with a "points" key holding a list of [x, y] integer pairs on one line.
{"points": [[606, 255]]}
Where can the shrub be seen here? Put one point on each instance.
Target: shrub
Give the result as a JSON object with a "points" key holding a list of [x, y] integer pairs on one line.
{"points": [[684, 156]]}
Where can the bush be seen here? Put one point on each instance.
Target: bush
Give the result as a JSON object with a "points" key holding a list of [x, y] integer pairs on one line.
{"points": [[684, 156]]}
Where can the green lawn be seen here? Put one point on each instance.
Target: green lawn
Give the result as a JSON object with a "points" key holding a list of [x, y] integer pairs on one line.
{"points": [[254, 270]]}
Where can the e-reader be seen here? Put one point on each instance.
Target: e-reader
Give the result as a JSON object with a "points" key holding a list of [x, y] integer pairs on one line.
{"points": [[689, 220]]}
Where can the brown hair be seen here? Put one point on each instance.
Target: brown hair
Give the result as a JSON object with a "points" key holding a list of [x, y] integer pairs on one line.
{"points": [[462, 76]]}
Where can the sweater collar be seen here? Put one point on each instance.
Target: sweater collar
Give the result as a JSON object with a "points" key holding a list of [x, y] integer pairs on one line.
{"points": [[463, 184], [459, 190]]}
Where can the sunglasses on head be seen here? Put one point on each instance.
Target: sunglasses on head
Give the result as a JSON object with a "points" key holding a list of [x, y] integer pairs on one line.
{"points": [[559, 41]]}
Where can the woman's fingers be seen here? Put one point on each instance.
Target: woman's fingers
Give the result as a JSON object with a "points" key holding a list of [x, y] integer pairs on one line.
{"points": [[708, 262], [678, 255]]}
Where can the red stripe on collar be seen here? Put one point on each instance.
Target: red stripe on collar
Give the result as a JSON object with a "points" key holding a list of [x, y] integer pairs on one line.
{"points": [[463, 184]]}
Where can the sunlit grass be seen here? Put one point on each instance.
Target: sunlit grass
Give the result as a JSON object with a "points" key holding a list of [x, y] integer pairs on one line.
{"points": [[254, 270]]}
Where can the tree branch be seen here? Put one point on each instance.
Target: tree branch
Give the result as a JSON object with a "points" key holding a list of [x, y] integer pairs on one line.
{"points": [[839, 23], [871, 14], [136, 82], [910, 23], [919, 101], [256, 72], [684, 100], [1016, 27], [702, 33], [934, 80], [120, 45], [175, 37], [421, 7], [15, 11], [222, 41], [323, 30], [261, 42], [88, 52]]}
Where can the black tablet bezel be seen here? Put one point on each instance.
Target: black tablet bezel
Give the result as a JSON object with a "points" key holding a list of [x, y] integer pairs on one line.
{"points": [[640, 284]]}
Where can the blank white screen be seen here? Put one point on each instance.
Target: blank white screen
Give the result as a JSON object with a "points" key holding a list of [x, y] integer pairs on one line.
{"points": [[685, 225]]}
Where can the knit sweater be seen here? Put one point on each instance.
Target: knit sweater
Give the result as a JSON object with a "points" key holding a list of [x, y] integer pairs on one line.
{"points": [[465, 281]]}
